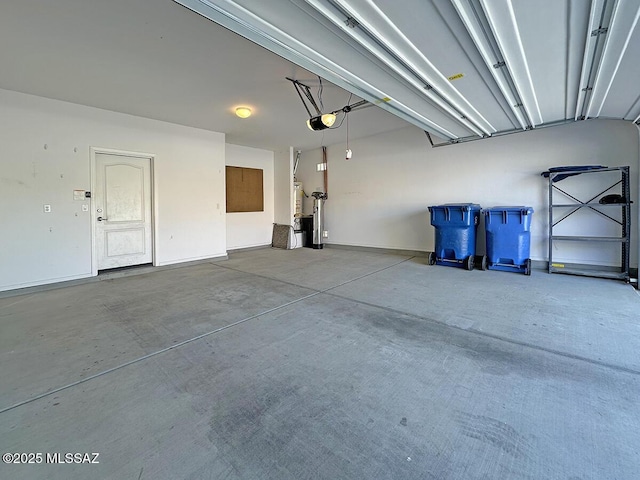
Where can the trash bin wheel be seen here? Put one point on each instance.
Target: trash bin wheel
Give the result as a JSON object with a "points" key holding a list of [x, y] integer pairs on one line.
{"points": [[469, 262], [485, 263], [432, 258], [527, 267]]}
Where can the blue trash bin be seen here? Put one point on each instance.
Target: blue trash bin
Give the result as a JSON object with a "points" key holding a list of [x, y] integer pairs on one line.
{"points": [[456, 226], [508, 231]]}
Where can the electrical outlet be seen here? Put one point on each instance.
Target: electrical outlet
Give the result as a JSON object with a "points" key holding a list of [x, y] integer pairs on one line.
{"points": [[47, 208], [325, 234], [85, 208]]}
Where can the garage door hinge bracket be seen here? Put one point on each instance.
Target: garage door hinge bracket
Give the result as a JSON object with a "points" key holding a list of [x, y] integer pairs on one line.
{"points": [[351, 22], [599, 31], [499, 65]]}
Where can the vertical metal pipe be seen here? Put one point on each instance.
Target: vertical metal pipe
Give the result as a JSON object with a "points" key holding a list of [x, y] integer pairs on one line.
{"points": [[550, 221], [638, 219], [326, 171]]}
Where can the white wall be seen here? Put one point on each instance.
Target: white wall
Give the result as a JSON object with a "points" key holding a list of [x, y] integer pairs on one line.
{"points": [[252, 229], [37, 247], [283, 185], [379, 198]]}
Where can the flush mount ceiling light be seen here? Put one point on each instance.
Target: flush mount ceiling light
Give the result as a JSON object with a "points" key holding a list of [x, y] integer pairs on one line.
{"points": [[243, 112], [321, 121]]}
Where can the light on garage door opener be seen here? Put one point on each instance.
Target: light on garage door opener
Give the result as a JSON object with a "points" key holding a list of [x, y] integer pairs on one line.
{"points": [[319, 120]]}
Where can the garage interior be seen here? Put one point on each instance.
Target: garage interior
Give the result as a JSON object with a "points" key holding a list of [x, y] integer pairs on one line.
{"points": [[204, 352]]}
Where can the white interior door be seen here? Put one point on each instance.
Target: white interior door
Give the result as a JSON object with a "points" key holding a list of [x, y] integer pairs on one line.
{"points": [[122, 200]]}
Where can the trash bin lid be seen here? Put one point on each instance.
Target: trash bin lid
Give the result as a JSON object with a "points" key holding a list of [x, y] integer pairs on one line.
{"points": [[459, 206], [523, 209]]}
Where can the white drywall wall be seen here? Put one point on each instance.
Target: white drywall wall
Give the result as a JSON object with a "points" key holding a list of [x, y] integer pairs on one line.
{"points": [[251, 229], [379, 198], [45, 155], [283, 185]]}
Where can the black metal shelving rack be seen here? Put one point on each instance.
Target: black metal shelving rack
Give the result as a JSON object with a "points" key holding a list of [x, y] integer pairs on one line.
{"points": [[601, 209]]}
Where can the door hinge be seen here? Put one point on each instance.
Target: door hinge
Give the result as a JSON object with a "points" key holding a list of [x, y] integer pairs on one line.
{"points": [[599, 31], [351, 22]]}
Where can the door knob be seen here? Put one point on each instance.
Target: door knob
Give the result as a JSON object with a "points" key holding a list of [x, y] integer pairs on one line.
{"points": [[100, 219]]}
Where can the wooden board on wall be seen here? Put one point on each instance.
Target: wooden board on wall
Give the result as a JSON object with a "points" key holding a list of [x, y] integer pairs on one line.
{"points": [[245, 190]]}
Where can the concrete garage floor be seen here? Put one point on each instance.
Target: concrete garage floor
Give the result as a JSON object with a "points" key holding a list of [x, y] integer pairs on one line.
{"points": [[330, 364]]}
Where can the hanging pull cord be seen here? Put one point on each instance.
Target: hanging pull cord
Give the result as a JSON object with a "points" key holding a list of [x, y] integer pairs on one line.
{"points": [[348, 152]]}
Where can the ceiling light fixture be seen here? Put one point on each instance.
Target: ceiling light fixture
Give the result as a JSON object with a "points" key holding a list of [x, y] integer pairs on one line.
{"points": [[243, 112]]}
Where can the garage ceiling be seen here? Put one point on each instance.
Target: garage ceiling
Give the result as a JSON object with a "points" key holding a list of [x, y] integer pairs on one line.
{"points": [[460, 69], [157, 59]]}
